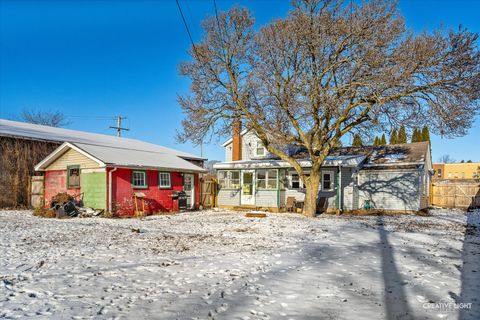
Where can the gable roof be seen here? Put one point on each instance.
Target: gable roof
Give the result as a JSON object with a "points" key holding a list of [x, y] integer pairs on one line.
{"points": [[226, 143], [390, 155], [122, 157], [45, 133]]}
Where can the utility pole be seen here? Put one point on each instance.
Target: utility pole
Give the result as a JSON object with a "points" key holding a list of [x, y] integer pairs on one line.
{"points": [[119, 125]]}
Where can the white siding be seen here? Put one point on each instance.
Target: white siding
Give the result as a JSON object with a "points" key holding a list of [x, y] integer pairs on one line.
{"points": [[249, 144], [228, 197], [228, 152], [266, 198]]}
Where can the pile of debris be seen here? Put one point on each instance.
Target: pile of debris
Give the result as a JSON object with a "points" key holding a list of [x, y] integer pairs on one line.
{"points": [[65, 205]]}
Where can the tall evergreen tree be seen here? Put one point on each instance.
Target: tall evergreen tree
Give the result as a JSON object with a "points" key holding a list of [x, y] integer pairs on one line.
{"points": [[414, 135], [376, 142], [383, 140], [425, 134], [402, 135], [357, 141], [394, 136]]}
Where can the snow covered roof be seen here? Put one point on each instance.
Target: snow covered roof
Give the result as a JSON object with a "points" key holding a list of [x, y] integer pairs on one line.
{"points": [[330, 161], [38, 132], [122, 157]]}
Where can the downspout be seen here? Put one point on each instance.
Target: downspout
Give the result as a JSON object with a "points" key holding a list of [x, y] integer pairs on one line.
{"points": [[110, 193], [339, 188], [278, 189]]}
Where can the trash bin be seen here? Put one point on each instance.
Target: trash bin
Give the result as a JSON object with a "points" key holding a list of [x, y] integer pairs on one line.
{"points": [[182, 201], [367, 205]]}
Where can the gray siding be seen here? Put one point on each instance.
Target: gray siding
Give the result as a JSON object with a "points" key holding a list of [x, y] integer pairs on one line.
{"points": [[228, 197], [349, 194], [266, 198], [389, 189], [330, 195]]}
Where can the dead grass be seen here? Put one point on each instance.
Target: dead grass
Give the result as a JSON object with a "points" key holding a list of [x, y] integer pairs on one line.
{"points": [[44, 213]]}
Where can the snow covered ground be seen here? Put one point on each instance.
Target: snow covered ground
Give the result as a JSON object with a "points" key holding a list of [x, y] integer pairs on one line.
{"points": [[221, 265]]}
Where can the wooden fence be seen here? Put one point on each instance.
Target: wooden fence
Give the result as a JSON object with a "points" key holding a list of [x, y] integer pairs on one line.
{"points": [[208, 192], [456, 194]]}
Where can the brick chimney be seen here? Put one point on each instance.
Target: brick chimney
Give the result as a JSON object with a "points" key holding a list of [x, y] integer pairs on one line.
{"points": [[237, 140]]}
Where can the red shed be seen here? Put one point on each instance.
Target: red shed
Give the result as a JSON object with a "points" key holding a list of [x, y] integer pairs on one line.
{"points": [[107, 176]]}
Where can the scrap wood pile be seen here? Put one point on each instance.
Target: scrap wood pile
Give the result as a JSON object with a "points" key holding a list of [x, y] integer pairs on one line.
{"points": [[64, 205]]}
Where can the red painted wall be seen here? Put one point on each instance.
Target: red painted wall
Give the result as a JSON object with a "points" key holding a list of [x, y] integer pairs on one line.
{"points": [[55, 182], [156, 200]]}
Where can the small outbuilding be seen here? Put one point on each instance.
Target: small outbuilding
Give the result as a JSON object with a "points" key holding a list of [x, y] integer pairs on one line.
{"points": [[108, 177]]}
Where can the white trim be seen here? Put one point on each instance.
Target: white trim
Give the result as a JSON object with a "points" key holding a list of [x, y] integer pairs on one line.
{"points": [[169, 180], [332, 180], [93, 170], [226, 143], [60, 151], [260, 146]]}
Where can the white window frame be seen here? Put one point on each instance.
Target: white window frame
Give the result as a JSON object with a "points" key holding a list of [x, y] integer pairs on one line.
{"points": [[227, 184], [332, 180], [267, 179], [164, 175], [144, 185], [260, 146], [301, 184]]}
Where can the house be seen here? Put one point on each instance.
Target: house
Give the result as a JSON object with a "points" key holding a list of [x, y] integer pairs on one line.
{"points": [[23, 145], [107, 176], [392, 177], [455, 171]]}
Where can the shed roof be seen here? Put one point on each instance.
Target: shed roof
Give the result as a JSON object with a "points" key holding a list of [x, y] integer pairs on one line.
{"points": [[45, 133], [118, 156]]}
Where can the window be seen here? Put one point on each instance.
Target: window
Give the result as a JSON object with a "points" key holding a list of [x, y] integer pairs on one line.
{"points": [[164, 180], [327, 181], [439, 172], [229, 179], [260, 149], [73, 176], [297, 182], [267, 179], [139, 179]]}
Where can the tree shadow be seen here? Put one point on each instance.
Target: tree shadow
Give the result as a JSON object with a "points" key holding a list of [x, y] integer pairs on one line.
{"points": [[401, 189], [396, 304], [470, 272]]}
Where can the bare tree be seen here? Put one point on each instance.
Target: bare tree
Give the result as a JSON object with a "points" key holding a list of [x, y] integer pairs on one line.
{"points": [[208, 165], [446, 158], [46, 118], [329, 68]]}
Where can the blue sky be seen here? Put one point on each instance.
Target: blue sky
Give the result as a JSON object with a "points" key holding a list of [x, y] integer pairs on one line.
{"points": [[96, 59]]}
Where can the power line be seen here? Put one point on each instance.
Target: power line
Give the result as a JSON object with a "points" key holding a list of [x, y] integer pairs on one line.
{"points": [[186, 27]]}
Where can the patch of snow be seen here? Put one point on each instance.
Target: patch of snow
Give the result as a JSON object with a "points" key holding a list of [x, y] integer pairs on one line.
{"points": [[220, 264]]}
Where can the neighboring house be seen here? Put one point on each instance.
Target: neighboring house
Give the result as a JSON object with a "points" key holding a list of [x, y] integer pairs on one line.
{"points": [[456, 171], [106, 176], [23, 145], [393, 177]]}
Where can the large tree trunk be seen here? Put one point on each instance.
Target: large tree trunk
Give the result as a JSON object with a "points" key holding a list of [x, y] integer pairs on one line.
{"points": [[312, 186]]}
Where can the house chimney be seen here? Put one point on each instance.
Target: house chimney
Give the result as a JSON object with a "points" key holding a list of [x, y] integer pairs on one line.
{"points": [[237, 140]]}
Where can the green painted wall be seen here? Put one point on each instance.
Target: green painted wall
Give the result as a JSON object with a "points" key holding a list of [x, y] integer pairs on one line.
{"points": [[94, 188]]}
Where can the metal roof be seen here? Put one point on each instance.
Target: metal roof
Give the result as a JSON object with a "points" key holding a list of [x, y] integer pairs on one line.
{"points": [[330, 161], [45, 133], [123, 157]]}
